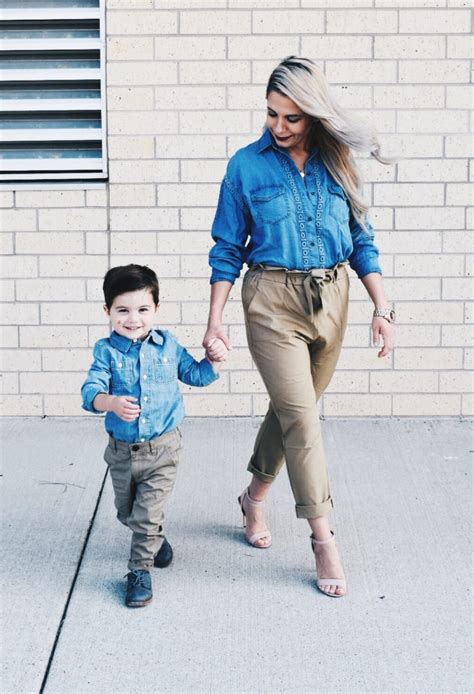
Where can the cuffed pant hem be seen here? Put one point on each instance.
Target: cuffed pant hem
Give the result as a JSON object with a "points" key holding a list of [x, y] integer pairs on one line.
{"points": [[263, 476], [147, 563], [140, 566], [315, 510]]}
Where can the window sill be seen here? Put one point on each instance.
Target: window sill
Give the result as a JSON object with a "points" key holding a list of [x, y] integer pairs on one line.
{"points": [[54, 185]]}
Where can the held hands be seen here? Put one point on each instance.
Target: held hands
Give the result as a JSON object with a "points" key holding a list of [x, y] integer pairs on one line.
{"points": [[216, 343], [382, 335], [216, 350], [125, 408]]}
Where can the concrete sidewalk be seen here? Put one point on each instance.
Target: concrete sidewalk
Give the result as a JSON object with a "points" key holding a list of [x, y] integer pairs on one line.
{"points": [[226, 617]]}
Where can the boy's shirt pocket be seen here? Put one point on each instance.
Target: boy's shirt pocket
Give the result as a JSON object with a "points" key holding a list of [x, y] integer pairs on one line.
{"points": [[121, 372], [165, 369]]}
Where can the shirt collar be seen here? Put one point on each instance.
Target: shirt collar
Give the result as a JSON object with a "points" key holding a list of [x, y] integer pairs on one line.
{"points": [[267, 141], [123, 343]]}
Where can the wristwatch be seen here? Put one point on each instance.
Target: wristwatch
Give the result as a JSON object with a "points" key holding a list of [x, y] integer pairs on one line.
{"points": [[387, 313]]}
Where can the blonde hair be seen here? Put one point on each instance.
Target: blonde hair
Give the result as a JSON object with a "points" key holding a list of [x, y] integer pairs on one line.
{"points": [[334, 130]]}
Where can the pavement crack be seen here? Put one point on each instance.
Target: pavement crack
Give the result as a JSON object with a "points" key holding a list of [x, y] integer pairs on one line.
{"points": [[65, 485], [74, 580]]}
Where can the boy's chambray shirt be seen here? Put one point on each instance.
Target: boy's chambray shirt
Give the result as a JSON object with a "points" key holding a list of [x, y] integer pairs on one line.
{"points": [[148, 370], [268, 213]]}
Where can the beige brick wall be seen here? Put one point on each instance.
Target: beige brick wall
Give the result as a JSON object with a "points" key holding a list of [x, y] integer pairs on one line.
{"points": [[185, 90]]}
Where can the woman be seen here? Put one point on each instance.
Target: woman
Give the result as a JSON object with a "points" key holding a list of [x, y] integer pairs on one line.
{"points": [[290, 207]]}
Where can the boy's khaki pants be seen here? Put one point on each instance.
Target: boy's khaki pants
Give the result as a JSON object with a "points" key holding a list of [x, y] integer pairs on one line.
{"points": [[295, 325], [143, 476]]}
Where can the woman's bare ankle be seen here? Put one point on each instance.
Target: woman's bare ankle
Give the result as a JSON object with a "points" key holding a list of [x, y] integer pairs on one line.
{"points": [[320, 528], [257, 489]]}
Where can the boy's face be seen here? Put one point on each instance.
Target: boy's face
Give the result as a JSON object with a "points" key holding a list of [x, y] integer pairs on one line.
{"points": [[132, 314]]}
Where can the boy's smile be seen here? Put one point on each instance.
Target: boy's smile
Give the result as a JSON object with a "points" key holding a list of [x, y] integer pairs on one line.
{"points": [[132, 314]]}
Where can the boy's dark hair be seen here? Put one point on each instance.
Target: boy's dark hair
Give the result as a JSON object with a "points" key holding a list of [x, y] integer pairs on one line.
{"points": [[129, 278]]}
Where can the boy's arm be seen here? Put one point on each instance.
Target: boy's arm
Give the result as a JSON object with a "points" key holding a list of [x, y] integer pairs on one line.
{"points": [[195, 373], [95, 391], [97, 381]]}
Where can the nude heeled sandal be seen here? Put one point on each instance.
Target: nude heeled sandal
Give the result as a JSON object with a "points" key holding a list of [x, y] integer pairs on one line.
{"points": [[256, 536], [323, 582]]}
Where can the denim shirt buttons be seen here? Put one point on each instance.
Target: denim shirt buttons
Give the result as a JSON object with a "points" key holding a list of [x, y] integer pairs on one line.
{"points": [[283, 158]]}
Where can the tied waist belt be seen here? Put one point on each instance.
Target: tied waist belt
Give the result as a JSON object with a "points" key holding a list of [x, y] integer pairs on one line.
{"points": [[312, 280]]}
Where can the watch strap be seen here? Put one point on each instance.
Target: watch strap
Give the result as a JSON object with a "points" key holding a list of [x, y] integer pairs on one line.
{"points": [[387, 313]]}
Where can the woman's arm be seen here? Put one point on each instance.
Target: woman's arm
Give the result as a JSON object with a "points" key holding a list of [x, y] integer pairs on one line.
{"points": [[230, 232], [381, 328], [219, 295]]}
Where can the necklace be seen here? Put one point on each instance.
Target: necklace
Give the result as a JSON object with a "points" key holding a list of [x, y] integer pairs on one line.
{"points": [[301, 166]]}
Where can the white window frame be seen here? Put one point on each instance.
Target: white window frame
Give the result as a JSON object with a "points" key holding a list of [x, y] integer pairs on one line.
{"points": [[69, 169]]}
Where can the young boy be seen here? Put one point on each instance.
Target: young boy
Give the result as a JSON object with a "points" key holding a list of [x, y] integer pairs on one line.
{"points": [[134, 379]]}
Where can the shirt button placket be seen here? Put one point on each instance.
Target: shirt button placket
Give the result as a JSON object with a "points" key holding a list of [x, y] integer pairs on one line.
{"points": [[299, 211], [143, 420], [319, 208]]}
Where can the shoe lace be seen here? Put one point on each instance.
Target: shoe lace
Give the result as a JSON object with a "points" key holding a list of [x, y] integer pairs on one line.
{"points": [[139, 578]]}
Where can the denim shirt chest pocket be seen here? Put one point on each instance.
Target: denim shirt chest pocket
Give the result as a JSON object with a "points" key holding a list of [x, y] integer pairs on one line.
{"points": [[338, 203], [270, 204], [121, 372], [165, 369]]}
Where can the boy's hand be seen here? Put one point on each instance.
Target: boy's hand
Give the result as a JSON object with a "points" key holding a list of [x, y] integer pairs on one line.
{"points": [[216, 350], [125, 408]]}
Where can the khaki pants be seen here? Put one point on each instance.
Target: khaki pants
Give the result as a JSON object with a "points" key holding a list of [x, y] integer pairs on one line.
{"points": [[143, 476], [295, 325]]}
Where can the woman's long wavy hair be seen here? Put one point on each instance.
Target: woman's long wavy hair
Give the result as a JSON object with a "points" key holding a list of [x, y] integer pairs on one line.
{"points": [[334, 131]]}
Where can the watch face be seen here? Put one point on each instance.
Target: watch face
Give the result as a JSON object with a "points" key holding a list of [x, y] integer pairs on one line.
{"points": [[392, 315]]}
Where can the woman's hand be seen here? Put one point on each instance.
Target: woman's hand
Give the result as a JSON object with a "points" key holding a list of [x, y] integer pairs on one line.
{"points": [[219, 294], [211, 344], [382, 333]]}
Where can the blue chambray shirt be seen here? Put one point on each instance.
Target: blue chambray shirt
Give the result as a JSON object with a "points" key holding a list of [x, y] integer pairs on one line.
{"points": [[267, 213], [148, 370]]}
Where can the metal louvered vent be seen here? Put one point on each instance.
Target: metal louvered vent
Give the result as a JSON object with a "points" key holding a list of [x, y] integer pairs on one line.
{"points": [[52, 90]]}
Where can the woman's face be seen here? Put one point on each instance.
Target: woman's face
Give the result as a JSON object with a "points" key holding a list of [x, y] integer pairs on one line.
{"points": [[287, 122]]}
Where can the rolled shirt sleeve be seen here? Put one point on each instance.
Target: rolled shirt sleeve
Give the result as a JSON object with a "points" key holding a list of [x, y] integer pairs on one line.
{"points": [[230, 231], [364, 257], [98, 379]]}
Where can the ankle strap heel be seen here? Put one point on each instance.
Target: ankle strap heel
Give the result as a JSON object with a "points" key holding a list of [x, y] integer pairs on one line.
{"points": [[264, 534], [325, 582]]}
